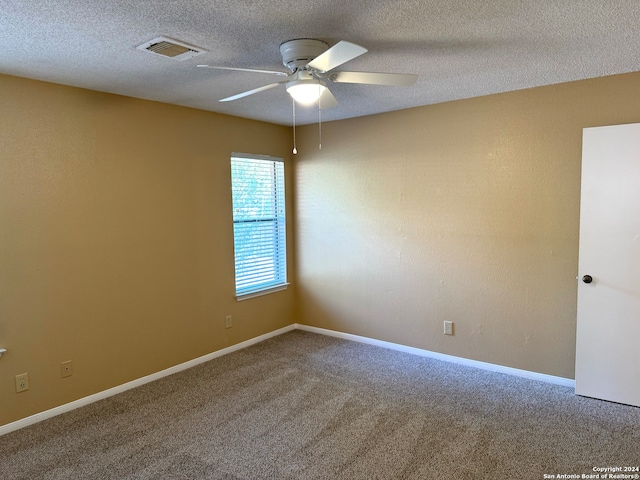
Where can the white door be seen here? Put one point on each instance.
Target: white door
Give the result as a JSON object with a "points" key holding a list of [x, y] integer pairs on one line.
{"points": [[608, 333]]}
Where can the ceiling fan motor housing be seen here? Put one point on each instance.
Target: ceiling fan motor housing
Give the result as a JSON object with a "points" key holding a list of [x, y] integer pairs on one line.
{"points": [[297, 53]]}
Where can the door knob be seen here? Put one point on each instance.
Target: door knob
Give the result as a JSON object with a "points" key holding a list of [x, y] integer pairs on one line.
{"points": [[587, 279]]}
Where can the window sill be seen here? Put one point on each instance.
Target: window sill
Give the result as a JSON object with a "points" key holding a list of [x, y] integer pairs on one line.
{"points": [[259, 293]]}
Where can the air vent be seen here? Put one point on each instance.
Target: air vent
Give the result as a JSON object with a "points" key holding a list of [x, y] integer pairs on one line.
{"points": [[169, 48]]}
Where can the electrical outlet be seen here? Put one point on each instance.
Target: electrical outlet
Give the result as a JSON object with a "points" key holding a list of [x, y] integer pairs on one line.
{"points": [[228, 321], [448, 328], [66, 369], [22, 382]]}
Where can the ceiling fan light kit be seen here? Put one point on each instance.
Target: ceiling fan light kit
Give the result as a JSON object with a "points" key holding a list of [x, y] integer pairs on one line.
{"points": [[306, 92], [305, 89]]}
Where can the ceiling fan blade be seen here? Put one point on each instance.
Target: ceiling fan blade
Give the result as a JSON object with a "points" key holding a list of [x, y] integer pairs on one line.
{"points": [[251, 92], [370, 78], [254, 70], [340, 53], [327, 100]]}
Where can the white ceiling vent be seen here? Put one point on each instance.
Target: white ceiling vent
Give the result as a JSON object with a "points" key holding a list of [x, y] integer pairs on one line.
{"points": [[170, 48]]}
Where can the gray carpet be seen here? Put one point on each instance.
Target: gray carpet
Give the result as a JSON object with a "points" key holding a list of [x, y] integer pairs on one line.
{"points": [[306, 406]]}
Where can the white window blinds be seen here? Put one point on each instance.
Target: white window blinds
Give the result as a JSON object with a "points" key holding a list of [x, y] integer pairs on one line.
{"points": [[259, 231]]}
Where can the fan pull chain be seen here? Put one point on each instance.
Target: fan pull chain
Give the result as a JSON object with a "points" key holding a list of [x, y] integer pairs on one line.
{"points": [[319, 119], [295, 150]]}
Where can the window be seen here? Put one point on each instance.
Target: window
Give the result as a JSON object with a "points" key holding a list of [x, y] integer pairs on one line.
{"points": [[259, 231]]}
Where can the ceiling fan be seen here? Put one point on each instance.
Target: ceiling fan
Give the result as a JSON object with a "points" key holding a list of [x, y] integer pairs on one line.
{"points": [[311, 63]]}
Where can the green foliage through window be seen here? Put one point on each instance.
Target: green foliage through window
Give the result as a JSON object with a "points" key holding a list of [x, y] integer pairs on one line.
{"points": [[259, 230]]}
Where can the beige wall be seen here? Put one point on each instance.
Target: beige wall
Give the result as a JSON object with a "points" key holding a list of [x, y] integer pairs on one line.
{"points": [[116, 246], [116, 241], [465, 211]]}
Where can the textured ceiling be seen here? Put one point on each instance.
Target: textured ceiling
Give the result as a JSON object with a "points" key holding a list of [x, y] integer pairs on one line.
{"points": [[458, 48]]}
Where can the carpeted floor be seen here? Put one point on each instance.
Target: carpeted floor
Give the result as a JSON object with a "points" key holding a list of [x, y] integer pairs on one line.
{"points": [[307, 406]]}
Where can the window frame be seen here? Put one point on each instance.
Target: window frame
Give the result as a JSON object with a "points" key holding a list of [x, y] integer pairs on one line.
{"points": [[245, 218]]}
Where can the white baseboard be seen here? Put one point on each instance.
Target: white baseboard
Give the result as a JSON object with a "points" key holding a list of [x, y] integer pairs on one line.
{"points": [[565, 382], [67, 407]]}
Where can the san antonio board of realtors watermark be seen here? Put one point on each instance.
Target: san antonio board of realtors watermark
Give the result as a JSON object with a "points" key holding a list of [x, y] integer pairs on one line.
{"points": [[609, 473]]}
